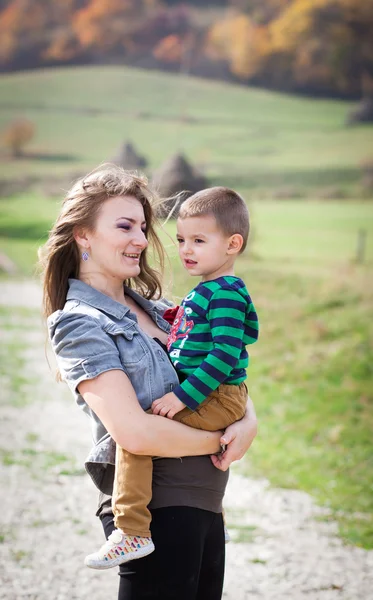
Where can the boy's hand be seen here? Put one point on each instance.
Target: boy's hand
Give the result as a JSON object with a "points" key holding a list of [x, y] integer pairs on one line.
{"points": [[167, 406]]}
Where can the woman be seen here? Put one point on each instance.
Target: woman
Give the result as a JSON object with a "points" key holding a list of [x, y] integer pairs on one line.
{"points": [[108, 335]]}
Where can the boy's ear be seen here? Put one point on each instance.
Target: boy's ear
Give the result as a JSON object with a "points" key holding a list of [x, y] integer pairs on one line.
{"points": [[81, 237], [235, 243]]}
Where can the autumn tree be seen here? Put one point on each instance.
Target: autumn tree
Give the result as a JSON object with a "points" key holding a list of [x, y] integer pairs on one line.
{"points": [[240, 42], [316, 46], [16, 135], [21, 31], [108, 26], [320, 46], [28, 28], [323, 45], [169, 49]]}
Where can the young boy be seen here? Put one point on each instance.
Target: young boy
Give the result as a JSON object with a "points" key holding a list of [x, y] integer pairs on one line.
{"points": [[207, 346]]}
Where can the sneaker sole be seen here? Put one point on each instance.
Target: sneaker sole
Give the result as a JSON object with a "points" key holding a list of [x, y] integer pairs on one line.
{"points": [[119, 560]]}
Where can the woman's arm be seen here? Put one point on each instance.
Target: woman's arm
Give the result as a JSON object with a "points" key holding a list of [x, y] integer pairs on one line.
{"points": [[89, 360], [238, 438], [113, 399]]}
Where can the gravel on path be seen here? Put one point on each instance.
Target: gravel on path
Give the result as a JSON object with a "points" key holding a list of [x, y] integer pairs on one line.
{"points": [[282, 545]]}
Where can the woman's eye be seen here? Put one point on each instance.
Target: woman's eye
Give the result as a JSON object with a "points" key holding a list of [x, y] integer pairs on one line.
{"points": [[125, 227]]}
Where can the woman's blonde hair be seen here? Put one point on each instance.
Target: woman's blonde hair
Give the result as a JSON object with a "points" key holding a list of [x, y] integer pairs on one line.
{"points": [[60, 258]]}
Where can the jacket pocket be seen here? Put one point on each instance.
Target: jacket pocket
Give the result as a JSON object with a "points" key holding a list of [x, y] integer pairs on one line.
{"points": [[131, 347]]}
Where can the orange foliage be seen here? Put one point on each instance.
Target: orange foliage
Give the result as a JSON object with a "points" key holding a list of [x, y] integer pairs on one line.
{"points": [[316, 43], [170, 49], [20, 20], [8, 46], [106, 23], [23, 15], [64, 46], [240, 42], [29, 27], [293, 23]]}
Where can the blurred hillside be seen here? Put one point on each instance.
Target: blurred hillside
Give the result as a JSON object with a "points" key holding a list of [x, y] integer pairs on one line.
{"points": [[318, 47], [267, 144]]}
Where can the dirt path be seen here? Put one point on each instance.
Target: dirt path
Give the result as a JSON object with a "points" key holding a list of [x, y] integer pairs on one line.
{"points": [[283, 550]]}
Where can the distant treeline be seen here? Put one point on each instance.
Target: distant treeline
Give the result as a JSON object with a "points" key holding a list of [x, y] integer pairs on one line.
{"points": [[318, 47]]}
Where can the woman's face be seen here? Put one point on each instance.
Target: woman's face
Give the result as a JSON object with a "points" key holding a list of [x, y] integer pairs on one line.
{"points": [[115, 246]]}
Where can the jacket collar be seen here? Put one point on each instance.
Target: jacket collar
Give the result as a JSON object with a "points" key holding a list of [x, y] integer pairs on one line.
{"points": [[78, 290]]}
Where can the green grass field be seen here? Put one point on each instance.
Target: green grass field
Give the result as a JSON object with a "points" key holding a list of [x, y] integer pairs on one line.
{"points": [[259, 141], [311, 372]]}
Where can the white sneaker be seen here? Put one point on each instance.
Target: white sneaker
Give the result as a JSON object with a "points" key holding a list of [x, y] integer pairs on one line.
{"points": [[118, 549]]}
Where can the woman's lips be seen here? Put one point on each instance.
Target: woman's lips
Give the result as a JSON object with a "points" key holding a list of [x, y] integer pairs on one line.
{"points": [[134, 257]]}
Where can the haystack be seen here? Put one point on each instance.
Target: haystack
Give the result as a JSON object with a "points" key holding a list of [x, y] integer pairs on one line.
{"points": [[174, 176], [128, 158]]}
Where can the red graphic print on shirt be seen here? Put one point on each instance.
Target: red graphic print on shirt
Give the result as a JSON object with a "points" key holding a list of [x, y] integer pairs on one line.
{"points": [[180, 327]]}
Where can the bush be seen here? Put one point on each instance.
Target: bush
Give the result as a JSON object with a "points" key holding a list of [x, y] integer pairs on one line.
{"points": [[16, 135]]}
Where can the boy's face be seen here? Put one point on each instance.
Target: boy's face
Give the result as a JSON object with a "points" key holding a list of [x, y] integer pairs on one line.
{"points": [[204, 248]]}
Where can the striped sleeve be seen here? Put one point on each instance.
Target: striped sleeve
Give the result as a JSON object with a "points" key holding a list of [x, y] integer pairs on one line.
{"points": [[252, 326], [226, 317]]}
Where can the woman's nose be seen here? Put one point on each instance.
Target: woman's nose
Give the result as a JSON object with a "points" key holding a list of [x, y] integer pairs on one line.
{"points": [[140, 240]]}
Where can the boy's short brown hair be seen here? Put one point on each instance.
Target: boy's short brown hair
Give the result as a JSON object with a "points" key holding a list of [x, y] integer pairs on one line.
{"points": [[228, 208]]}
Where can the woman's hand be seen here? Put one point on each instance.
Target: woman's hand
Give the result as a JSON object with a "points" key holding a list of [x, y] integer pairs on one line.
{"points": [[237, 438]]}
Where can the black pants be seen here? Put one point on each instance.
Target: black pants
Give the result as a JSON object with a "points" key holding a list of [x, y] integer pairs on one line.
{"points": [[188, 562]]}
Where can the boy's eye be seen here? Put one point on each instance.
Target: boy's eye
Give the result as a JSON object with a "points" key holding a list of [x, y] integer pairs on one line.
{"points": [[199, 241], [179, 240]]}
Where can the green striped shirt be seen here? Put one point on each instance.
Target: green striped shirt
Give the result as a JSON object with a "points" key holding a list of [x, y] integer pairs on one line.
{"points": [[208, 339]]}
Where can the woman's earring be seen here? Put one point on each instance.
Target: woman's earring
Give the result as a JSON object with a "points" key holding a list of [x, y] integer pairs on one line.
{"points": [[85, 255]]}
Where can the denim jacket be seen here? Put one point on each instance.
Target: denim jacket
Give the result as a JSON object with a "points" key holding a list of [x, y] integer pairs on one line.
{"points": [[92, 334]]}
